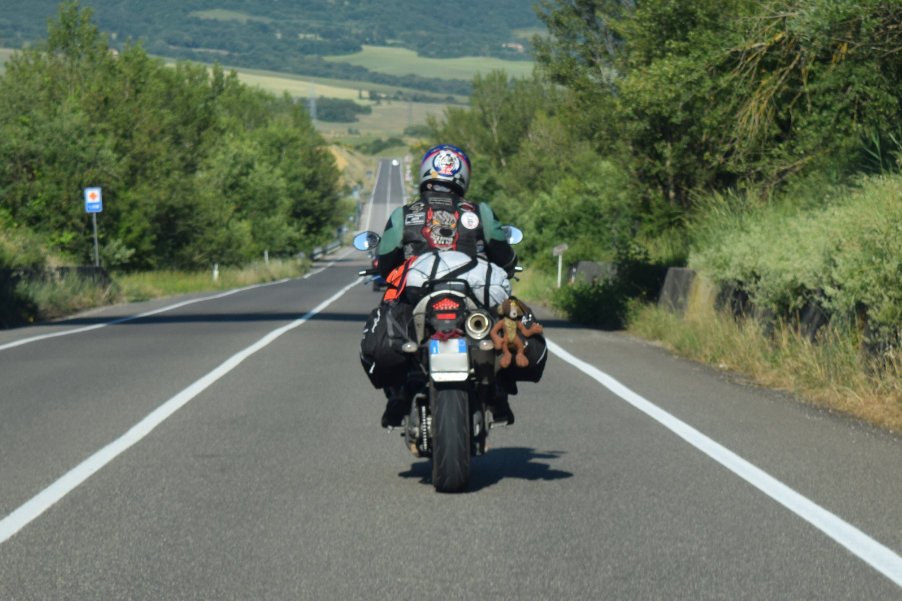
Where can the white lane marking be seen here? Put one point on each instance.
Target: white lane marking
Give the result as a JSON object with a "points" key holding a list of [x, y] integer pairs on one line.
{"points": [[343, 254], [33, 508], [369, 213], [401, 181], [876, 555], [388, 190], [24, 341], [401, 186]]}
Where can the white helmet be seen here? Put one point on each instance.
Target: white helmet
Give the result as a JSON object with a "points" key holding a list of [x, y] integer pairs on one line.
{"points": [[445, 165]]}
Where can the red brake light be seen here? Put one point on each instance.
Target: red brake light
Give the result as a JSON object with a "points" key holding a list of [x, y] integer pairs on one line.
{"points": [[446, 304]]}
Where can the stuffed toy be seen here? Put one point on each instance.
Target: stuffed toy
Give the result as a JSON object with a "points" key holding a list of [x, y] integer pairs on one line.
{"points": [[504, 333]]}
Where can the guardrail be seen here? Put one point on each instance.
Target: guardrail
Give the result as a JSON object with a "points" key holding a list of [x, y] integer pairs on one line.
{"points": [[680, 283], [321, 251]]}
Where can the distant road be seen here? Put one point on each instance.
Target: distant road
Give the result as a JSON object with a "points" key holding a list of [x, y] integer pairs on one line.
{"points": [[227, 447]]}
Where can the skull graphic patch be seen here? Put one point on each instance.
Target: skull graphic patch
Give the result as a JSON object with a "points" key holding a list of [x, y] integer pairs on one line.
{"points": [[441, 229]]}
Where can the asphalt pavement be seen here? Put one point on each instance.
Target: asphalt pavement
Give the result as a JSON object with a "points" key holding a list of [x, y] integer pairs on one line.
{"points": [[228, 447]]}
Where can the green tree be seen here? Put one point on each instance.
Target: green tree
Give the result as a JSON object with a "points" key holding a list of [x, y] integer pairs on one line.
{"points": [[643, 84], [495, 126], [311, 175], [195, 167], [591, 209], [818, 85]]}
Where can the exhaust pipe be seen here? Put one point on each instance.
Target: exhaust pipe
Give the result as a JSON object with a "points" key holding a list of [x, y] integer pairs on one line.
{"points": [[478, 325]]}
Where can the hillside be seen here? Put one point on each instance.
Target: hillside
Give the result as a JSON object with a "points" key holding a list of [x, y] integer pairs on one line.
{"points": [[296, 36]]}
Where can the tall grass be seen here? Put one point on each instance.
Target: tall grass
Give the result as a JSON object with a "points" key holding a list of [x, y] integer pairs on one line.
{"points": [[53, 297], [156, 284], [845, 253], [836, 248], [830, 372], [534, 286]]}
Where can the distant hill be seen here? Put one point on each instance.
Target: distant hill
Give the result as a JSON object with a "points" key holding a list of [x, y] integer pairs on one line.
{"points": [[294, 35]]}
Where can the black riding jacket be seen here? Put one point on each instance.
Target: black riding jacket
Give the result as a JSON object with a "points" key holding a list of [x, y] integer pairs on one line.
{"points": [[443, 221]]}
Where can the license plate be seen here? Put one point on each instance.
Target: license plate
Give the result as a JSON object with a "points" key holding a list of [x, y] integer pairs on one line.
{"points": [[448, 347], [449, 360]]}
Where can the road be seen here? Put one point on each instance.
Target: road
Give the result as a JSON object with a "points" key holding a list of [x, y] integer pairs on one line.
{"points": [[227, 447]]}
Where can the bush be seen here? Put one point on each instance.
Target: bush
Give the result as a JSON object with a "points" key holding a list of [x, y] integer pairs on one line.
{"points": [[20, 251], [600, 304], [605, 303], [339, 110], [54, 295], [845, 255]]}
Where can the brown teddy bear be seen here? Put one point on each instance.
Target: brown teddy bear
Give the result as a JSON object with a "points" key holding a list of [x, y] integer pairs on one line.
{"points": [[504, 333]]}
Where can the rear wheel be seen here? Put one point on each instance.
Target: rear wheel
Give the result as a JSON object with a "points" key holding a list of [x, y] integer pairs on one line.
{"points": [[450, 438]]}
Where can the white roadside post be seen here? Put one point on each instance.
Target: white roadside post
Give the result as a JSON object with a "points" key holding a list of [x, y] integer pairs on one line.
{"points": [[94, 205], [558, 252]]}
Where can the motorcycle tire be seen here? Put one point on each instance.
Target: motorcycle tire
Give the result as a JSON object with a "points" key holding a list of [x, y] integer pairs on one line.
{"points": [[450, 438]]}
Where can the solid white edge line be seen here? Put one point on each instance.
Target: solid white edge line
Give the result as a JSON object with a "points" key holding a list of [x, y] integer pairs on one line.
{"points": [[881, 558], [48, 497], [165, 309], [128, 318]]}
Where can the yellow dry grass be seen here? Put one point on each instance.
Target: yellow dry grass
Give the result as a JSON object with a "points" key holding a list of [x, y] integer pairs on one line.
{"points": [[387, 119], [297, 86], [354, 166], [831, 372]]}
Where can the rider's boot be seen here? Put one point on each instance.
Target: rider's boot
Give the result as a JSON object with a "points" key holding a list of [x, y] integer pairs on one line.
{"points": [[500, 407], [396, 407]]}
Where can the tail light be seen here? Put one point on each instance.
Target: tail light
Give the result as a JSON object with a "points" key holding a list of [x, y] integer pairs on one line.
{"points": [[446, 316], [446, 304]]}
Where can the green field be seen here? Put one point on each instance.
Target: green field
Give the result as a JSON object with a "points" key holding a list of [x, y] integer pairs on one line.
{"points": [[389, 118], [400, 61], [527, 34], [227, 15], [300, 85], [297, 86]]}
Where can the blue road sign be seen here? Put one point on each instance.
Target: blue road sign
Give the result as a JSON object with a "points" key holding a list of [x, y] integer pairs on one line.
{"points": [[93, 200]]}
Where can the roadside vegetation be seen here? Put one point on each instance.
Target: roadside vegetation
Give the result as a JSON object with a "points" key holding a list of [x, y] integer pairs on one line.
{"points": [[755, 142], [146, 285], [830, 370], [822, 277], [196, 169]]}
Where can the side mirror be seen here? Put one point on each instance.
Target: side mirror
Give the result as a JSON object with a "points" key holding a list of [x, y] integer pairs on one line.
{"points": [[366, 240], [513, 234]]}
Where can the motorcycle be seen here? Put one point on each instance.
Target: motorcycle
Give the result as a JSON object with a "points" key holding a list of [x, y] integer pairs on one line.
{"points": [[452, 373]]}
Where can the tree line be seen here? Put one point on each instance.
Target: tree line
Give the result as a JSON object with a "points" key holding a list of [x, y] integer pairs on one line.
{"points": [[195, 167], [644, 110], [657, 131]]}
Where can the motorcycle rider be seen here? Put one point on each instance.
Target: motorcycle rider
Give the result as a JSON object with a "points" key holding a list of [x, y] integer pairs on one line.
{"points": [[440, 218]]}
